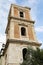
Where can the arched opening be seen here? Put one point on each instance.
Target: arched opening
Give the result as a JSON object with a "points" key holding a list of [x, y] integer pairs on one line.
{"points": [[24, 53], [23, 31]]}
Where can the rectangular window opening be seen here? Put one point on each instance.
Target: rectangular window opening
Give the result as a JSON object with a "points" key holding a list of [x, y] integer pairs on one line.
{"points": [[21, 14]]}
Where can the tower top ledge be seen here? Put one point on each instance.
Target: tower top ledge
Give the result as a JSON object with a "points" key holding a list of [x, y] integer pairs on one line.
{"points": [[24, 7]]}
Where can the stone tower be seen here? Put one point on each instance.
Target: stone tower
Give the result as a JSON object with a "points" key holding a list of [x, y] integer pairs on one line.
{"points": [[20, 34]]}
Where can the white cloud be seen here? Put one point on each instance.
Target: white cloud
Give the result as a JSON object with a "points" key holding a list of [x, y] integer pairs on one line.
{"points": [[2, 39], [33, 1], [39, 29], [12, 1]]}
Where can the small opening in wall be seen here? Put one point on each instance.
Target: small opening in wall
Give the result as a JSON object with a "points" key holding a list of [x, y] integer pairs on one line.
{"points": [[21, 14], [23, 31], [24, 53]]}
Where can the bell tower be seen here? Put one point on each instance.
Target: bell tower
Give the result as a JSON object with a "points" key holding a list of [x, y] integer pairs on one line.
{"points": [[20, 34], [20, 25]]}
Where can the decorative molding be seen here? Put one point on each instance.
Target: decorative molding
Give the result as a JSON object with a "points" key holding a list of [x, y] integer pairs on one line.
{"points": [[22, 24], [25, 20]]}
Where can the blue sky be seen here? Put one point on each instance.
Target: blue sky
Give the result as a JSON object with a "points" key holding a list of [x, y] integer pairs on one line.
{"points": [[36, 13]]}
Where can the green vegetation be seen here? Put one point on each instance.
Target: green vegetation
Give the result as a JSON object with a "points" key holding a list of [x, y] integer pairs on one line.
{"points": [[33, 57]]}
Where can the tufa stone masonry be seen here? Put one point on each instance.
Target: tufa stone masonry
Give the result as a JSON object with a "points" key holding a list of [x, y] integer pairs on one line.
{"points": [[20, 35]]}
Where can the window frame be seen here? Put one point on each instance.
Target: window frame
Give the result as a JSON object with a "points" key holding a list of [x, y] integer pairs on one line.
{"points": [[21, 14], [23, 33], [22, 37]]}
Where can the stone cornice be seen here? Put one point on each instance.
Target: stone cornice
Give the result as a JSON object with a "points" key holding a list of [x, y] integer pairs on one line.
{"points": [[35, 43], [22, 19], [14, 5], [20, 42]]}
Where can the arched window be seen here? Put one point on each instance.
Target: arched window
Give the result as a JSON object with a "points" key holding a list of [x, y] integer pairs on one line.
{"points": [[24, 53], [23, 31]]}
